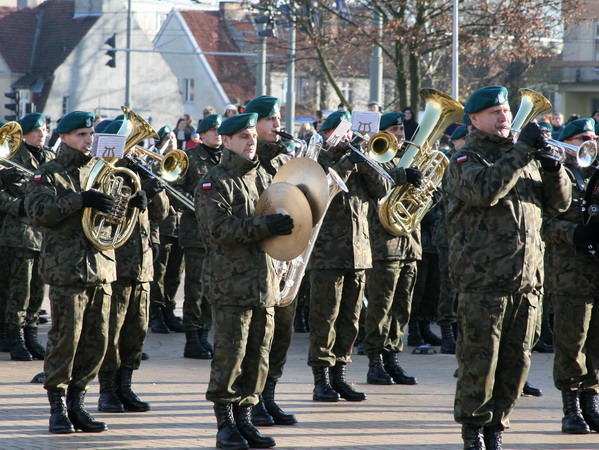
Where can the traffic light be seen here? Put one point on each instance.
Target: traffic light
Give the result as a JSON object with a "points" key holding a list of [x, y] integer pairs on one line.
{"points": [[14, 106], [111, 42]]}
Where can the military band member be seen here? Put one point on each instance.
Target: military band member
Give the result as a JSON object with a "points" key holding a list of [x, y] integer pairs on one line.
{"points": [[338, 266], [496, 196], [197, 315], [390, 282], [128, 322], [272, 154], [23, 242], [239, 280], [572, 284], [78, 273]]}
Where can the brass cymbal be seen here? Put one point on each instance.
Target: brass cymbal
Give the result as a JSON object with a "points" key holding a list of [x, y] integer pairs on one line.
{"points": [[310, 178], [285, 198]]}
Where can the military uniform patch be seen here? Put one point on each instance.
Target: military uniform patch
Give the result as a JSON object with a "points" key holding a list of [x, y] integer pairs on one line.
{"points": [[38, 177], [206, 186], [461, 159]]}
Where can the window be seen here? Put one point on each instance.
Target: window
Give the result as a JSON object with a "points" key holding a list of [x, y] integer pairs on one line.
{"points": [[65, 105], [188, 90], [346, 88]]}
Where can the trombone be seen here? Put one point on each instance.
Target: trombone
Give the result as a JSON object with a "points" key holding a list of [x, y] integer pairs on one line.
{"points": [[378, 169], [383, 146], [11, 136], [173, 165]]}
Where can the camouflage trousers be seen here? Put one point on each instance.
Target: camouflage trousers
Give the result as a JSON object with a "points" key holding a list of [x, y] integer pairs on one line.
{"points": [[425, 300], [78, 337], [128, 325], [25, 288], [576, 343], [283, 333], [335, 305], [496, 336], [197, 314], [389, 286], [168, 272], [242, 340], [447, 307], [3, 283]]}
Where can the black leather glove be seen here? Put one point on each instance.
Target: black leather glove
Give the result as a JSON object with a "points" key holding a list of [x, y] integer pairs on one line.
{"points": [[414, 177], [532, 135], [97, 200], [152, 187], [549, 165], [585, 235], [155, 251], [12, 176], [355, 157], [139, 200], [279, 224]]}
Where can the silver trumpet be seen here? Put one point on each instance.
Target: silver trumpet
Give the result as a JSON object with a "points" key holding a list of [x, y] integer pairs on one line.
{"points": [[299, 141]]}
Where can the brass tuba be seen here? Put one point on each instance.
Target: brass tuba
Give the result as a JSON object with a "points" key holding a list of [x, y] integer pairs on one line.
{"points": [[109, 231], [11, 136], [402, 209]]}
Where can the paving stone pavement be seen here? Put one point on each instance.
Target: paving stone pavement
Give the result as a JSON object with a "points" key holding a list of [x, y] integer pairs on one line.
{"points": [[393, 417]]}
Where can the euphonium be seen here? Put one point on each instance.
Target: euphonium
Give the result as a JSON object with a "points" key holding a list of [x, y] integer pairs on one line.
{"points": [[108, 231], [402, 209], [11, 136]]}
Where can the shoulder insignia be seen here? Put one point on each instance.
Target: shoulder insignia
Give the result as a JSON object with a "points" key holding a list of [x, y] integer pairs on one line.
{"points": [[206, 186], [461, 159], [38, 177]]}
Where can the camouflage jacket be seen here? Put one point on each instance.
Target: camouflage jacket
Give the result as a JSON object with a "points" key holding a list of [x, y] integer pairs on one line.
{"points": [[236, 271], [201, 159], [344, 238], [568, 273], [17, 230], [53, 201], [272, 156], [496, 197], [170, 225], [134, 259]]}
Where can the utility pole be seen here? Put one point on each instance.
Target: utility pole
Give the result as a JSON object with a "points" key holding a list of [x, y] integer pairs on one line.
{"points": [[455, 87], [261, 63], [290, 101], [128, 59], [376, 62]]}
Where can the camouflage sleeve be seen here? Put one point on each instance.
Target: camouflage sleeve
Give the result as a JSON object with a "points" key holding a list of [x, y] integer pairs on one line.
{"points": [[477, 183], [344, 168], [10, 204], [557, 191], [557, 231], [154, 233], [44, 207], [158, 207], [218, 219], [377, 185]]}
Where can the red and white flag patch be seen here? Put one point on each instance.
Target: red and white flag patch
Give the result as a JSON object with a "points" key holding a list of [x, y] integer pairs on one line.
{"points": [[461, 159], [206, 186], [37, 177]]}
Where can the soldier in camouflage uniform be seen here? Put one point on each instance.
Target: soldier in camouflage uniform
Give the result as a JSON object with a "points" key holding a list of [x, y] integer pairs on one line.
{"points": [[78, 273], [496, 195], [338, 266], [390, 282], [272, 154], [197, 316], [128, 322], [239, 280], [572, 283], [23, 242]]}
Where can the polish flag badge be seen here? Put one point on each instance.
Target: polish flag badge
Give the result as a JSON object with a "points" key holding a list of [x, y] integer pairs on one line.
{"points": [[206, 186], [461, 159]]}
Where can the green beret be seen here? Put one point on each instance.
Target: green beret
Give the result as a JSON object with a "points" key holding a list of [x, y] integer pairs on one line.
{"points": [[238, 122], [113, 127], [209, 122], [120, 117], [485, 98], [467, 120], [75, 120], [164, 131], [391, 118], [459, 132], [102, 125], [547, 126], [576, 127], [334, 120], [32, 121], [264, 106]]}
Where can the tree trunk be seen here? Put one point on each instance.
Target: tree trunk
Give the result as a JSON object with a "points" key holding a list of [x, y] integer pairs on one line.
{"points": [[401, 82], [414, 82]]}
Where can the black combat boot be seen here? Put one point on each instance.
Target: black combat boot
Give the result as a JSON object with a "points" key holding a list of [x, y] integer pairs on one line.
{"points": [[542, 347], [4, 341], [228, 435], [108, 401], [376, 372], [414, 336], [249, 431], [128, 398], [59, 422], [473, 437], [447, 340], [573, 422], [589, 404], [193, 348], [280, 417], [260, 416], [33, 344], [172, 322], [79, 417], [530, 390], [18, 349], [157, 324], [391, 364], [300, 322], [323, 391], [427, 334], [203, 336], [340, 384], [493, 435]]}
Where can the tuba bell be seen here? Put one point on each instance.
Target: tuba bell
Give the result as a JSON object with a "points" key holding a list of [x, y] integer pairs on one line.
{"points": [[111, 230], [11, 136]]}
